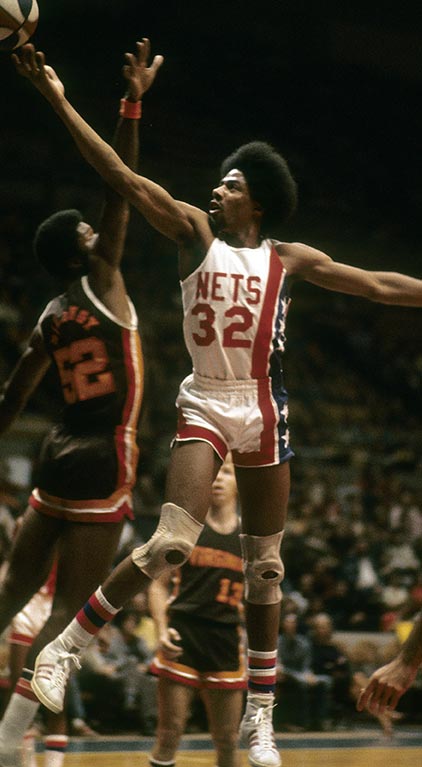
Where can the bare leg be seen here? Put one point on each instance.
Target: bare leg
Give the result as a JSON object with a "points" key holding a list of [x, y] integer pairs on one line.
{"points": [[264, 495], [192, 470], [85, 556], [174, 702], [224, 710], [30, 563]]}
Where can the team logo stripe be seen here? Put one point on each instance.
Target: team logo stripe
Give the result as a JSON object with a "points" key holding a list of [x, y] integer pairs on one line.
{"points": [[126, 447], [262, 344], [186, 432]]}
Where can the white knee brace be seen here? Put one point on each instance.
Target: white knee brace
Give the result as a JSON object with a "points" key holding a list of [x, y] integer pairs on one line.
{"points": [[171, 544], [262, 567]]}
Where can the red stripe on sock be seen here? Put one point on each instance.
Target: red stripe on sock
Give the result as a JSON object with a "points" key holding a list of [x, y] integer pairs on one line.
{"points": [[105, 614], [24, 689], [86, 624]]}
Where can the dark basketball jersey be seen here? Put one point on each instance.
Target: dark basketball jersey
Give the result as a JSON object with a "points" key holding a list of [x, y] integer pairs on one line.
{"points": [[210, 584], [92, 450]]}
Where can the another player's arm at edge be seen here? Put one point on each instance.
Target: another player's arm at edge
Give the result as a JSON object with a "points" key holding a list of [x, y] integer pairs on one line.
{"points": [[388, 683], [24, 379], [312, 265]]}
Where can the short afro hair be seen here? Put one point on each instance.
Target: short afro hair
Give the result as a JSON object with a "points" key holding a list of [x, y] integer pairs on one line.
{"points": [[56, 242], [269, 180]]}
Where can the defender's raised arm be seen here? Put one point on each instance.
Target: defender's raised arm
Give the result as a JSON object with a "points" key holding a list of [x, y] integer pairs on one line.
{"points": [[155, 203]]}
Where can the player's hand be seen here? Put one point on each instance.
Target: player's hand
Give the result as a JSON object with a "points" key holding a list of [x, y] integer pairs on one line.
{"points": [[136, 71], [168, 645], [31, 64], [385, 687]]}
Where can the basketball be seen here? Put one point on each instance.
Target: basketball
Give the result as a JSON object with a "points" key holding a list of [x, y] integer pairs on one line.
{"points": [[18, 22]]}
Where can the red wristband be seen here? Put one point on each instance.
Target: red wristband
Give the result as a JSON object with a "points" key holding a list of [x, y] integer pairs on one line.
{"points": [[130, 109]]}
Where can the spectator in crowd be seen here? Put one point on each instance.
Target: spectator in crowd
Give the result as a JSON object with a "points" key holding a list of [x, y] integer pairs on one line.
{"points": [[303, 698], [332, 667]]}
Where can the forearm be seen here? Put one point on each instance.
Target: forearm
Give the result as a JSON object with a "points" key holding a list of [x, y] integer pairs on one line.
{"points": [[398, 289], [158, 606], [304, 262], [126, 142]]}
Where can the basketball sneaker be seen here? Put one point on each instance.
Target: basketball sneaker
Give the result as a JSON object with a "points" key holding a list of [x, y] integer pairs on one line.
{"points": [[52, 669], [257, 733]]}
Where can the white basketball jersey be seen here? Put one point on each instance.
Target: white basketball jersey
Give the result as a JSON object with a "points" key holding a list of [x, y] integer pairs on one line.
{"points": [[235, 305]]}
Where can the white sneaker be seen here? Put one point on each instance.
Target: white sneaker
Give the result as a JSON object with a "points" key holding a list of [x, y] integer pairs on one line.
{"points": [[52, 669], [257, 733]]}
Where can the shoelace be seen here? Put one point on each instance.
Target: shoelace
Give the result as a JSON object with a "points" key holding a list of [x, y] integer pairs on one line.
{"points": [[263, 720], [63, 668]]}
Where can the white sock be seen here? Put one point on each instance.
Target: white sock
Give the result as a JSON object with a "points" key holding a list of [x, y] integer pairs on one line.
{"points": [[17, 719], [55, 749], [89, 620]]}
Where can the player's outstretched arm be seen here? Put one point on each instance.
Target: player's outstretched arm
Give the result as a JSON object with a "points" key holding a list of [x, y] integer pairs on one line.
{"points": [[139, 75], [155, 203], [312, 265], [390, 682]]}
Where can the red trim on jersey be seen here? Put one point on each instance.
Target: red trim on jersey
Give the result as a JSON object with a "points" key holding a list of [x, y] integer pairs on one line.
{"points": [[61, 508], [187, 432], [262, 345], [269, 436], [222, 680], [127, 430]]}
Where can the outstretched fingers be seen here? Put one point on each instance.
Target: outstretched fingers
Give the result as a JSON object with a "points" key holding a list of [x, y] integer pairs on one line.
{"points": [[377, 696]]}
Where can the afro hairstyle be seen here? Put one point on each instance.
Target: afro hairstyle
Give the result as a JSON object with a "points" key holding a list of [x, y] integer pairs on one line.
{"points": [[269, 180]]}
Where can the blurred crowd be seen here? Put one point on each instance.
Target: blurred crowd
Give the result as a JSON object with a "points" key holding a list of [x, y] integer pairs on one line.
{"points": [[353, 544]]}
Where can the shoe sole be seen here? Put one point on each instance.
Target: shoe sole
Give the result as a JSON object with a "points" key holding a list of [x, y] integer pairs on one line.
{"points": [[41, 697], [254, 763]]}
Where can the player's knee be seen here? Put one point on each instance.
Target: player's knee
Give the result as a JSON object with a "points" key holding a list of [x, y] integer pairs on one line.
{"points": [[171, 544], [263, 568]]}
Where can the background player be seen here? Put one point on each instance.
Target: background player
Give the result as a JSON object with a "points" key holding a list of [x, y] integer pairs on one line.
{"points": [[206, 601], [235, 282], [88, 461]]}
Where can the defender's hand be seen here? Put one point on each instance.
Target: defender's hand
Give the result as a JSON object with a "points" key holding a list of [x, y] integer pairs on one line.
{"points": [[136, 71]]}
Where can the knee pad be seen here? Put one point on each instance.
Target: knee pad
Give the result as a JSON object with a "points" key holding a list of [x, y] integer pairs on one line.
{"points": [[262, 567], [171, 544]]}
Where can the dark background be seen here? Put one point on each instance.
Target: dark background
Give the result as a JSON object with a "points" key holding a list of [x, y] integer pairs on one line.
{"points": [[336, 89]]}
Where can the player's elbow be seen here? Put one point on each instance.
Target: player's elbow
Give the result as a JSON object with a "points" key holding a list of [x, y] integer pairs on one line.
{"points": [[377, 292]]}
